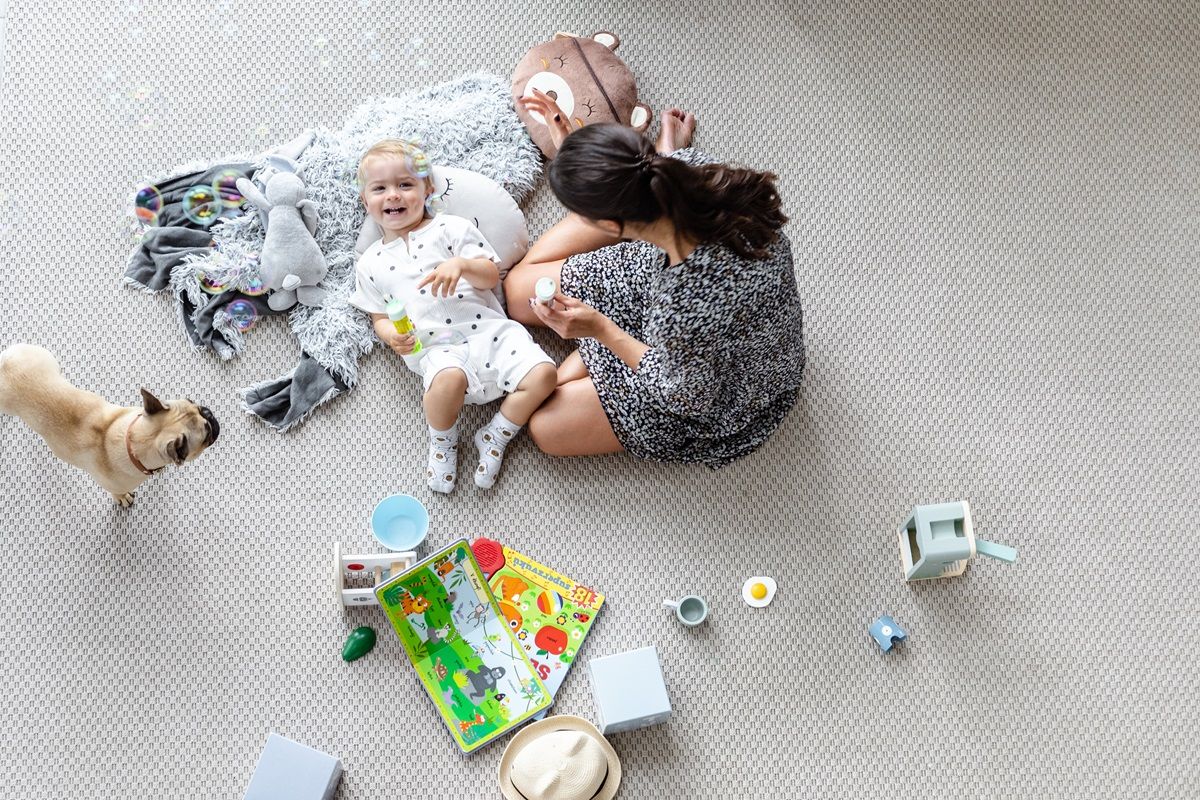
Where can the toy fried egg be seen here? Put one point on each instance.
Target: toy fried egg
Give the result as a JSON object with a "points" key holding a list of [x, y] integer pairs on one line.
{"points": [[759, 591]]}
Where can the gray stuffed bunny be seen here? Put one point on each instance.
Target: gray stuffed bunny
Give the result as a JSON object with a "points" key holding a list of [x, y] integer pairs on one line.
{"points": [[291, 263]]}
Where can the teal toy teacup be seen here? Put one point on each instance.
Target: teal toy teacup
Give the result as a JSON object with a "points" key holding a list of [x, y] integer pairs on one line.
{"points": [[690, 610]]}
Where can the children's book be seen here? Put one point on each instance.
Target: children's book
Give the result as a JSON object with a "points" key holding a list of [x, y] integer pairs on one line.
{"points": [[549, 614], [464, 651]]}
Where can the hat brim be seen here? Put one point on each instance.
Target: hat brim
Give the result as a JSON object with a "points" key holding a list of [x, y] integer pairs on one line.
{"points": [[562, 722]]}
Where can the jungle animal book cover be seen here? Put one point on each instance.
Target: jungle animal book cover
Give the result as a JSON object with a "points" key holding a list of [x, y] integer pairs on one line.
{"points": [[464, 651]]}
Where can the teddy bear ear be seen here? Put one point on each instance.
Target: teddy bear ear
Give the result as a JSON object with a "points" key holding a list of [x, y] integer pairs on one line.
{"points": [[607, 38], [285, 164], [639, 120]]}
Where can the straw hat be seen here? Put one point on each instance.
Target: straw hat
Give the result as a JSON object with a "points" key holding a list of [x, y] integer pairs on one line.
{"points": [[559, 758]]}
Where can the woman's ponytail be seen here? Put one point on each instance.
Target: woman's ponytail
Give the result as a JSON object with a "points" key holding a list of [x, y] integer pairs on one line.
{"points": [[608, 171]]}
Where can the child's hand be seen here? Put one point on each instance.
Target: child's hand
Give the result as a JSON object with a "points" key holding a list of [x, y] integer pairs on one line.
{"points": [[556, 121], [401, 343], [445, 277]]}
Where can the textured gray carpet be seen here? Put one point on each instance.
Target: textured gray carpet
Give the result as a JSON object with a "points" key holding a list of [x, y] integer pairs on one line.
{"points": [[996, 216]]}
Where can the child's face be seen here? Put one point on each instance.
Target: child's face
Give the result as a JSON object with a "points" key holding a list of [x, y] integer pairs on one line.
{"points": [[394, 197]]}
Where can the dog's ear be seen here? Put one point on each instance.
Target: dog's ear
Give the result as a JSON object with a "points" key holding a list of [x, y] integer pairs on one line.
{"points": [[151, 404]]}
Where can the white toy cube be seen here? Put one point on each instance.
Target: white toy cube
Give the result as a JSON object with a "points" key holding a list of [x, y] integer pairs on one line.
{"points": [[288, 770], [629, 690]]}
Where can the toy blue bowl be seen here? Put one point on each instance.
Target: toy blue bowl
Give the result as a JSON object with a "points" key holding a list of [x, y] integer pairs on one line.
{"points": [[400, 522]]}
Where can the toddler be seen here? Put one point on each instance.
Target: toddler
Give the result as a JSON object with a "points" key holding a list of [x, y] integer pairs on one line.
{"points": [[444, 272]]}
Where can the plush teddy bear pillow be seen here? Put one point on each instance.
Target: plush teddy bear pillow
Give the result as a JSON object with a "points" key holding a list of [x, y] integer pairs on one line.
{"points": [[586, 79], [479, 199]]}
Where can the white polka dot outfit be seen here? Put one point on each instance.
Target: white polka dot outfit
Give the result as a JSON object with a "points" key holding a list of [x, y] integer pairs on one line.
{"points": [[467, 330], [726, 346]]}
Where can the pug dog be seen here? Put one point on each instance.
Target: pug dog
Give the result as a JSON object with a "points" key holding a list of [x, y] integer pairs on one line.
{"points": [[119, 447]]}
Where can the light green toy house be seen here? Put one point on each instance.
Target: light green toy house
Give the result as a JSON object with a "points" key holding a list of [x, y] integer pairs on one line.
{"points": [[937, 541]]}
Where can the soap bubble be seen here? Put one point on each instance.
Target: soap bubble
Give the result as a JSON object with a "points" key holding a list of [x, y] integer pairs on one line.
{"points": [[225, 187], [201, 205], [133, 231], [147, 204], [420, 162], [212, 285], [242, 315], [254, 287], [435, 205]]}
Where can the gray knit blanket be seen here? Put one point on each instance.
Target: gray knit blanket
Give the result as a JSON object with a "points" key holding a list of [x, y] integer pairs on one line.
{"points": [[468, 123]]}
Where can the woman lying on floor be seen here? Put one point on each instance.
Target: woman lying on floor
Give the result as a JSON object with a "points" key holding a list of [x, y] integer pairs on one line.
{"points": [[678, 283]]}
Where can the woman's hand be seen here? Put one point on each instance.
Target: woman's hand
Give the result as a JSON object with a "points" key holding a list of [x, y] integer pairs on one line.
{"points": [[556, 121], [444, 277], [570, 318]]}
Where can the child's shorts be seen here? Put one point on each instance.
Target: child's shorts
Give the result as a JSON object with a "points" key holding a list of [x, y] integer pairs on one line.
{"points": [[495, 360]]}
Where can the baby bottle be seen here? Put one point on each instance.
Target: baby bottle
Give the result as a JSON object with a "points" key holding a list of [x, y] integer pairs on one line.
{"points": [[399, 317], [544, 291]]}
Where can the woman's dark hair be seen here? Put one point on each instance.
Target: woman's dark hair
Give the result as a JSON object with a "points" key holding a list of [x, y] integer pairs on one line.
{"points": [[609, 171]]}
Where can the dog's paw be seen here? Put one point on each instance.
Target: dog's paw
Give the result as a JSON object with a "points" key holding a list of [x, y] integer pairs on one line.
{"points": [[124, 500]]}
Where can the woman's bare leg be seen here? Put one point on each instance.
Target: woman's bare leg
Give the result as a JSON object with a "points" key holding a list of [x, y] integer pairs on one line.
{"points": [[518, 288], [572, 369], [573, 423], [570, 236]]}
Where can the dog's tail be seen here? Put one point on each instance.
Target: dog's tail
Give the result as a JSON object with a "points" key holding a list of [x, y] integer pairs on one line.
{"points": [[5, 356], [23, 365]]}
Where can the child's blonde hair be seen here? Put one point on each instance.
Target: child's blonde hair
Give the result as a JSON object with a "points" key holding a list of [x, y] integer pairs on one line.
{"points": [[409, 152]]}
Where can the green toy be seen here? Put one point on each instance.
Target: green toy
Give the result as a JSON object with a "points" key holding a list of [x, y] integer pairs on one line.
{"points": [[360, 642]]}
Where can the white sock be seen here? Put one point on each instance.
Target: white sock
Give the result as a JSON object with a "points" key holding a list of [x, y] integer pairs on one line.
{"points": [[491, 440], [443, 458]]}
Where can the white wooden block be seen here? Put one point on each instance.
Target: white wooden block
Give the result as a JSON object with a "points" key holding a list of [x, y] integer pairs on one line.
{"points": [[629, 690], [288, 770]]}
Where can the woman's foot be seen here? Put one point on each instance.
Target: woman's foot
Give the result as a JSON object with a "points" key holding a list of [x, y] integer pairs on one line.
{"points": [[676, 130]]}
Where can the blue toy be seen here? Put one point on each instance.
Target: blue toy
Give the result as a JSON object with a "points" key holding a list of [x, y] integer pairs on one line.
{"points": [[288, 770], [887, 632], [400, 522], [629, 690], [936, 541]]}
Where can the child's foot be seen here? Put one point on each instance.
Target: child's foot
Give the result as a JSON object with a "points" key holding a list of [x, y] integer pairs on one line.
{"points": [[676, 131], [443, 459], [491, 440]]}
